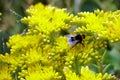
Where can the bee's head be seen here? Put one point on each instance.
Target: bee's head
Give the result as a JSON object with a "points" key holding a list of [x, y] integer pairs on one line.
{"points": [[83, 36]]}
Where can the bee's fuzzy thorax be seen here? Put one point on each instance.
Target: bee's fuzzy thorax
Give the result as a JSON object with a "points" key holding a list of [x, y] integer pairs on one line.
{"points": [[72, 40]]}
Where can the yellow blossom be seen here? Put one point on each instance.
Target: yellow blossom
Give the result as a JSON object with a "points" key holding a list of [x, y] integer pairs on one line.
{"points": [[102, 24], [19, 43], [5, 72], [42, 53], [86, 74], [46, 19], [41, 73]]}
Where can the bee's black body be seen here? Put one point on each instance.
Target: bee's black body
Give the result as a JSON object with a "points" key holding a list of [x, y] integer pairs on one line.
{"points": [[76, 39]]}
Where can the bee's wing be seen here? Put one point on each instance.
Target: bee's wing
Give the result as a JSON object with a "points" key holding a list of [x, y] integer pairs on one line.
{"points": [[70, 42]]}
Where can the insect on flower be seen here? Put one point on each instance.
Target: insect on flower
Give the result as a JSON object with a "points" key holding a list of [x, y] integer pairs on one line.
{"points": [[75, 39]]}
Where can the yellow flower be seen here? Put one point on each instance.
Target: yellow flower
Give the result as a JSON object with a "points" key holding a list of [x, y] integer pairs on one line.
{"points": [[38, 72], [70, 75], [22, 43], [103, 25], [44, 54], [86, 74], [5, 72], [34, 56], [46, 19], [61, 44]]}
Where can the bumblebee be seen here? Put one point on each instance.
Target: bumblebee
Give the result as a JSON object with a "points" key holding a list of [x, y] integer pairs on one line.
{"points": [[75, 39]]}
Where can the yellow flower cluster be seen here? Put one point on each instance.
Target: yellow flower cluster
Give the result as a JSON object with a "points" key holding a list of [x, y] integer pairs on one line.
{"points": [[43, 53], [21, 43], [41, 73], [5, 73], [100, 28], [45, 19], [104, 25], [87, 74]]}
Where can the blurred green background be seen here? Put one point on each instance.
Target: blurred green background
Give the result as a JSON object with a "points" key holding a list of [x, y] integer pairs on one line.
{"points": [[13, 10]]}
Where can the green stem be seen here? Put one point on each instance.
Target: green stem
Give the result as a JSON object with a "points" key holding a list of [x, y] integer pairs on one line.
{"points": [[16, 78], [101, 66]]}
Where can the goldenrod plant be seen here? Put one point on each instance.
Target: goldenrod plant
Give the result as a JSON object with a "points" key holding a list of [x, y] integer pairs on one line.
{"points": [[44, 52]]}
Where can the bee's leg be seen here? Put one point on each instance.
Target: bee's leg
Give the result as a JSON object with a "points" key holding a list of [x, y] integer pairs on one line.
{"points": [[73, 46], [83, 44]]}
